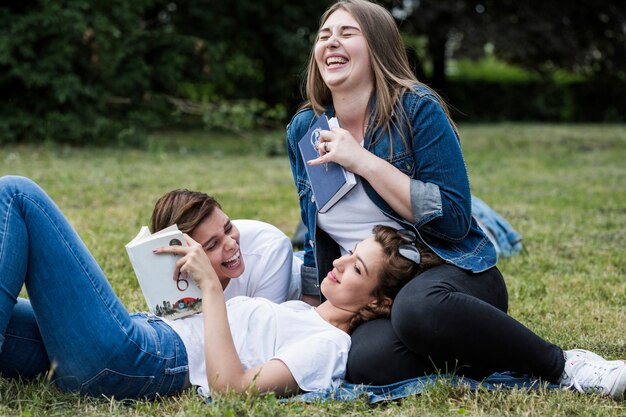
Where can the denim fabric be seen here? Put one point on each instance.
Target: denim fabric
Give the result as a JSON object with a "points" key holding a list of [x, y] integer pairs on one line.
{"points": [[73, 317], [440, 193], [415, 386], [23, 353], [506, 240]]}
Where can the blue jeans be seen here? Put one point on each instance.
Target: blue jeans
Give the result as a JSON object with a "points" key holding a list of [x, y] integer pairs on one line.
{"points": [[73, 319]]}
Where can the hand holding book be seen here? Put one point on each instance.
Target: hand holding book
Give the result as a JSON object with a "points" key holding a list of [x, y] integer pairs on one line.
{"points": [[329, 180], [192, 265], [167, 293], [317, 139], [339, 146]]}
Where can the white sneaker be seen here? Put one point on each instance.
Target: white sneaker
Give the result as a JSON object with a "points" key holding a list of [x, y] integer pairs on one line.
{"points": [[587, 374], [585, 354]]}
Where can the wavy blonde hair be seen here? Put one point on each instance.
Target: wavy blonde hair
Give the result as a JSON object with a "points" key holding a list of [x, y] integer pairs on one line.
{"points": [[390, 66]]}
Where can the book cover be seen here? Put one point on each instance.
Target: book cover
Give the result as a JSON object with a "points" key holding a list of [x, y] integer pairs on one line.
{"points": [[329, 181], [166, 297]]}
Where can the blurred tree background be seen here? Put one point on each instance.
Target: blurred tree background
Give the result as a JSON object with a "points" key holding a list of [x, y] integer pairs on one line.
{"points": [[96, 72]]}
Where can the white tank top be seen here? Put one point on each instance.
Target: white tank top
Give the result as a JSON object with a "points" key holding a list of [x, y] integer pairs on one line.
{"points": [[352, 218]]}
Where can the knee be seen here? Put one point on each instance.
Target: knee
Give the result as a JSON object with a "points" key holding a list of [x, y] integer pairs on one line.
{"points": [[419, 313], [15, 183]]}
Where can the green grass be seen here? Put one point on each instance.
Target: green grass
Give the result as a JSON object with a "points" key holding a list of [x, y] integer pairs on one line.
{"points": [[562, 186]]}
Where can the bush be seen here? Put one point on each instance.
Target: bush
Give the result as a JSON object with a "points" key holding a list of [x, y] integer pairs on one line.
{"points": [[85, 72]]}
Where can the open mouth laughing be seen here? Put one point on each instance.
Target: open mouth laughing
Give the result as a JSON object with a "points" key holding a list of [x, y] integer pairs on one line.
{"points": [[233, 262], [335, 61]]}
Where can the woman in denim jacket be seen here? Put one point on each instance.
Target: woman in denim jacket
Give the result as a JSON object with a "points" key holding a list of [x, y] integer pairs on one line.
{"points": [[397, 137]]}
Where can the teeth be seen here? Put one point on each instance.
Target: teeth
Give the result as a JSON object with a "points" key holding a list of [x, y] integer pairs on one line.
{"points": [[336, 60], [233, 258]]}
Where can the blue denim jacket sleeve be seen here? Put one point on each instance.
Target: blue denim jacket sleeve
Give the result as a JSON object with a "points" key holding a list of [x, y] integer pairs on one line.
{"points": [[298, 126], [440, 192]]}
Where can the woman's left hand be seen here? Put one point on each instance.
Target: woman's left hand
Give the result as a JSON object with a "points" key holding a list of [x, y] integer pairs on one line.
{"points": [[339, 146]]}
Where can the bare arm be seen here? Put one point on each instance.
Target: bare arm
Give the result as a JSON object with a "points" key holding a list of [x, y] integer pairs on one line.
{"points": [[389, 182], [224, 369], [223, 366]]}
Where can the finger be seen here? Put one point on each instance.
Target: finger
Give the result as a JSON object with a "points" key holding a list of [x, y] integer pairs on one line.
{"points": [[318, 161], [180, 266], [327, 135], [190, 240], [176, 250], [176, 274]]}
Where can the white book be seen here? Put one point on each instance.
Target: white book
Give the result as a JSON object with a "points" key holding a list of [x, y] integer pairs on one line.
{"points": [[166, 296]]}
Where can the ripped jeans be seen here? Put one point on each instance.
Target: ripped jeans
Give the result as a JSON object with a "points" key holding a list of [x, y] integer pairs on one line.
{"points": [[73, 325]]}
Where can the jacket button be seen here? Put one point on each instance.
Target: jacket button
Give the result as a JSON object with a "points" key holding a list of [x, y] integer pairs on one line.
{"points": [[311, 242], [312, 199]]}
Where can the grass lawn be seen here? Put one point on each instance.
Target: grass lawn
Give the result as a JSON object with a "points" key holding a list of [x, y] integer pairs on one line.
{"points": [[562, 186]]}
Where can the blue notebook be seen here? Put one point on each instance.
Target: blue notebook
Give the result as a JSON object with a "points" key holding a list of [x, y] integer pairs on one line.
{"points": [[329, 181]]}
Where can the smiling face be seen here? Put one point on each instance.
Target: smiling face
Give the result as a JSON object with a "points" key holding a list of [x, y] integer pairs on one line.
{"points": [[220, 240], [342, 55], [354, 277]]}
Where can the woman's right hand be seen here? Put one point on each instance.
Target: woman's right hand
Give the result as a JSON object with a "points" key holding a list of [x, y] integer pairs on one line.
{"points": [[394, 186], [194, 264], [339, 146]]}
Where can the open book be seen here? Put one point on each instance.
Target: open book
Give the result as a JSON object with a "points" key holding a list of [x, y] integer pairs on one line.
{"points": [[329, 181], [166, 297]]}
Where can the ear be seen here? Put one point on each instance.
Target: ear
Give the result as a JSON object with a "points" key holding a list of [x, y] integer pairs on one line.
{"points": [[385, 302]]}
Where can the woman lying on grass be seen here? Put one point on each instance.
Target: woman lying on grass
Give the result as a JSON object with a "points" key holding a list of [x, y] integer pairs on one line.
{"points": [[245, 344]]}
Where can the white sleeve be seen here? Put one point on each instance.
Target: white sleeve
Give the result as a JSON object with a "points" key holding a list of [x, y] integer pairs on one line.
{"points": [[268, 257], [316, 362]]}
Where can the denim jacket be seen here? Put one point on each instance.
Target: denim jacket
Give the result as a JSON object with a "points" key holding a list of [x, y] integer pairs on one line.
{"points": [[440, 193]]}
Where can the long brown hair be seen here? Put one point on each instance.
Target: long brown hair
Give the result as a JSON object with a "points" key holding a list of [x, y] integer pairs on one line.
{"points": [[396, 272], [182, 207], [390, 66]]}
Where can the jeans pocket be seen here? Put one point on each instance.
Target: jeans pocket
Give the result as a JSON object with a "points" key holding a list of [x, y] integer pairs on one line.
{"points": [[114, 384]]}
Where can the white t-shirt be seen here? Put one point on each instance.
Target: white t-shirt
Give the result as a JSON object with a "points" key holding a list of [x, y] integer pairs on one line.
{"points": [[315, 351], [268, 258], [352, 218]]}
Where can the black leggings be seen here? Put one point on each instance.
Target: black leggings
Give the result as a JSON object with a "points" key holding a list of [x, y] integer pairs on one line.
{"points": [[450, 321]]}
